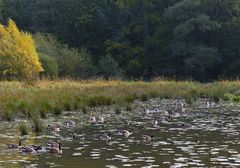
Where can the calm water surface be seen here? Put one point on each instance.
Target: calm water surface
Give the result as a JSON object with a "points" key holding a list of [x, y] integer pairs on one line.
{"points": [[202, 137]]}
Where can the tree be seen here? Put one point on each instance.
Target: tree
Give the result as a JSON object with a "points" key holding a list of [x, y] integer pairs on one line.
{"points": [[1, 8], [18, 56], [145, 38], [108, 68], [50, 66], [226, 39], [71, 61], [192, 53]]}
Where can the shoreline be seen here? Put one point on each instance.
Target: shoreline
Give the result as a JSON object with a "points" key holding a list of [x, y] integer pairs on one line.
{"points": [[54, 97]]}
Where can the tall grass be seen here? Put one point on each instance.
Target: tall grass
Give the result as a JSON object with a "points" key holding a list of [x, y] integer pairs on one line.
{"points": [[52, 97], [23, 129]]}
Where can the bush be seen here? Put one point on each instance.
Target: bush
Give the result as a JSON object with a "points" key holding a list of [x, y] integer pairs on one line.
{"points": [[37, 124], [129, 107], [9, 115], [228, 97], [18, 55], [144, 97], [9, 112], [153, 94], [68, 106], [84, 109], [236, 98], [23, 129], [189, 100], [99, 100], [118, 109], [44, 108], [50, 66], [109, 68], [130, 98], [23, 107], [69, 62]]}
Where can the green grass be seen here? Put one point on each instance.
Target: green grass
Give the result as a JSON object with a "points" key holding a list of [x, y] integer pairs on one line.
{"points": [[118, 109], [129, 107], [23, 129], [37, 124], [52, 97]]}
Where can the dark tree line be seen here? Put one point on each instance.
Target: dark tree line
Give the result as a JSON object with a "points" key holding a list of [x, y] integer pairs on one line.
{"points": [[133, 38]]}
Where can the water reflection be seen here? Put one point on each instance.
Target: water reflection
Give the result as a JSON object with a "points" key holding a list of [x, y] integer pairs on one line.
{"points": [[202, 137]]}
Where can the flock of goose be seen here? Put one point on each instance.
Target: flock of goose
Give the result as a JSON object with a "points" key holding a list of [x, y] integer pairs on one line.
{"points": [[51, 146]]}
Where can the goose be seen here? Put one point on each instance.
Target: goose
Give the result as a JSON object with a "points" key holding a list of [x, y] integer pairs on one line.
{"points": [[14, 146], [176, 115], [157, 110], [51, 143], [155, 123], [42, 149], [210, 103], [35, 147], [78, 136], [164, 120], [70, 124], [53, 128], [147, 138], [146, 111], [106, 137], [183, 109], [27, 149], [54, 149], [166, 113], [100, 120], [92, 120], [126, 133], [182, 104]]}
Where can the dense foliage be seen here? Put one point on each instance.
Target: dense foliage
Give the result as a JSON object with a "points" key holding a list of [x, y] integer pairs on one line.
{"points": [[139, 38], [18, 56]]}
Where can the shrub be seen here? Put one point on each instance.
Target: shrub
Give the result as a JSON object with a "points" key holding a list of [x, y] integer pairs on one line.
{"points": [[23, 129], [118, 109], [37, 124], [99, 100], [236, 98], [9, 115], [50, 66], [189, 100], [68, 106], [18, 55], [44, 108], [228, 97], [130, 98], [9, 112], [153, 94], [129, 107], [144, 97], [23, 107]]}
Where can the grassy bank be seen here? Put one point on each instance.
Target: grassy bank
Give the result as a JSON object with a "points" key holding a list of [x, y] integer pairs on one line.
{"points": [[20, 100]]}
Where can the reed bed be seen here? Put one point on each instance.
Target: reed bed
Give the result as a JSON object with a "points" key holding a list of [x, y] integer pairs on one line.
{"points": [[52, 97]]}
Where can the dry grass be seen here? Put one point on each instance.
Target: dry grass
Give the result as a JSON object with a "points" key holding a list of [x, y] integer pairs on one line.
{"points": [[20, 100]]}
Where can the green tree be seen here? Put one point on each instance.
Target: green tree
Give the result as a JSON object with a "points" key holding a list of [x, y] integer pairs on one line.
{"points": [[227, 14], [71, 62], [108, 68], [1, 8], [50, 66], [192, 53]]}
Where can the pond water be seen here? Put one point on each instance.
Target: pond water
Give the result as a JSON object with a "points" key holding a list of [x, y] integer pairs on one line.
{"points": [[200, 137]]}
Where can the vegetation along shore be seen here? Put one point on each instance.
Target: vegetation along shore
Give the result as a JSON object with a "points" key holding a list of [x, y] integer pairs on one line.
{"points": [[52, 97]]}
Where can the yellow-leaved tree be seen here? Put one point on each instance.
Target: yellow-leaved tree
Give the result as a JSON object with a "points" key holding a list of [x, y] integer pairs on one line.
{"points": [[18, 55]]}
